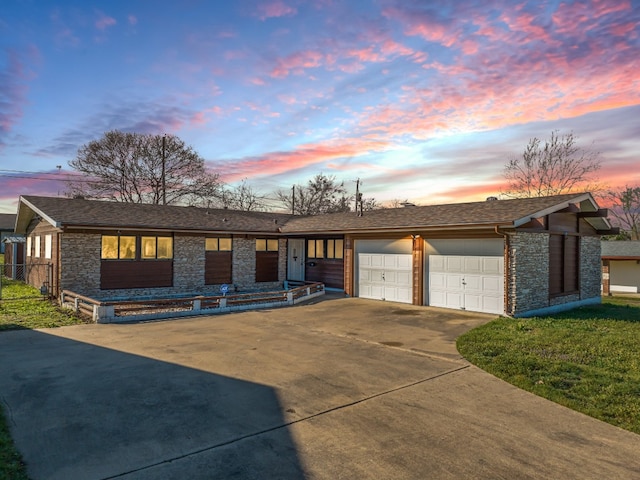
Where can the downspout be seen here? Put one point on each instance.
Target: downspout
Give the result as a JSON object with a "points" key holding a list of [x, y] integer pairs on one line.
{"points": [[508, 310]]}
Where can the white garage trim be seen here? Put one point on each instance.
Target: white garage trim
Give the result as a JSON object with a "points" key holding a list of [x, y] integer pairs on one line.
{"points": [[385, 277], [474, 283]]}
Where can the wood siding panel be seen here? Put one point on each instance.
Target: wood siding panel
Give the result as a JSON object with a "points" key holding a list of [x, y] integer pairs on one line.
{"points": [[571, 264], [555, 264], [136, 274], [564, 264], [266, 266], [348, 265], [218, 268], [328, 271], [563, 222]]}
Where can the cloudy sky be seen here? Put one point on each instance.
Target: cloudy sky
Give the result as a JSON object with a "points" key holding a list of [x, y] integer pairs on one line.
{"points": [[422, 100]]}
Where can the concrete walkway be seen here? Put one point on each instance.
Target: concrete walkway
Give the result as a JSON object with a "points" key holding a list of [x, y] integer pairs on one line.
{"points": [[344, 388]]}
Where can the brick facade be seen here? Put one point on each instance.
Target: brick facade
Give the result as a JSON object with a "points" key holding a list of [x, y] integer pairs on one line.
{"points": [[81, 273]]}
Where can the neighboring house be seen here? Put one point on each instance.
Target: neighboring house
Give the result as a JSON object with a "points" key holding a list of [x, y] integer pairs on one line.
{"points": [[513, 257], [620, 267], [14, 257], [7, 224]]}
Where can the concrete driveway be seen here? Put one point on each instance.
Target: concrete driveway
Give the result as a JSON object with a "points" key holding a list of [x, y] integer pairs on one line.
{"points": [[343, 388]]}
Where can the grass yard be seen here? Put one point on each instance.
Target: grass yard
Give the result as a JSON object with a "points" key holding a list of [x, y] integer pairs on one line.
{"points": [[21, 306], [586, 359]]}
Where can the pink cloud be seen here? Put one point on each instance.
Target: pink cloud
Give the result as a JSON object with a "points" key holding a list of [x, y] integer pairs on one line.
{"points": [[132, 19], [422, 25], [585, 16], [14, 87], [275, 9], [235, 54], [297, 62], [274, 163], [104, 22]]}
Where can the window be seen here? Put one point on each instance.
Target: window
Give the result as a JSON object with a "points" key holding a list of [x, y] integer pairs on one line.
{"points": [[218, 244], [334, 248], [267, 259], [28, 246], [315, 248], [120, 247], [47, 246], [124, 247], [266, 245], [127, 250], [156, 248], [37, 247]]}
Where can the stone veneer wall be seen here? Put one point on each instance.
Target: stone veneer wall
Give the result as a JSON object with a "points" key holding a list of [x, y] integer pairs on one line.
{"points": [[527, 272], [81, 267], [80, 262], [590, 267], [529, 264]]}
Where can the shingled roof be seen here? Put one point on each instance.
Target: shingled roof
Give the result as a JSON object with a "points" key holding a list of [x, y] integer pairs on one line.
{"points": [[81, 213], [506, 213], [621, 250], [7, 222]]}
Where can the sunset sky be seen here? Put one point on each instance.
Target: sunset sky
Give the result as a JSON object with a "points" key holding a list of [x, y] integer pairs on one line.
{"points": [[421, 100]]}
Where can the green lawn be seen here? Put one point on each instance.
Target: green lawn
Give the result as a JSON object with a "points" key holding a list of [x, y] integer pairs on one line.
{"points": [[21, 306], [587, 359]]}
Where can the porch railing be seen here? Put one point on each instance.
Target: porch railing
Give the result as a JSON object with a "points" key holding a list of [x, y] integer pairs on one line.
{"points": [[136, 310]]}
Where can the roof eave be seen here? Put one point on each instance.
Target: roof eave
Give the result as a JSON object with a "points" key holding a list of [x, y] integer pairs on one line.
{"points": [[137, 228], [403, 229], [23, 219], [558, 206]]}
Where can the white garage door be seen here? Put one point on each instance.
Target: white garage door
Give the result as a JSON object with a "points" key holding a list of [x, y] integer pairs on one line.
{"points": [[385, 277], [467, 282]]}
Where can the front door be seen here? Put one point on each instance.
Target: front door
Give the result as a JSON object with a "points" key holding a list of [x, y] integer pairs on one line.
{"points": [[295, 259]]}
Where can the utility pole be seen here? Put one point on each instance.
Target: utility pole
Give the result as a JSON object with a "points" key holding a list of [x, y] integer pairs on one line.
{"points": [[358, 199], [164, 184], [293, 200]]}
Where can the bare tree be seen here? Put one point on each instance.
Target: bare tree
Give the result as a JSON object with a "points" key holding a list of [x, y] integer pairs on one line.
{"points": [[243, 197], [321, 194], [625, 207], [370, 203], [552, 167], [137, 168]]}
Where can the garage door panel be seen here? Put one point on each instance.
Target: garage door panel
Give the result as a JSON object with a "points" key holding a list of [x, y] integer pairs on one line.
{"points": [[473, 283], [492, 266], [385, 277], [436, 263], [454, 264], [472, 265], [437, 280], [492, 305], [453, 281], [403, 278], [492, 284], [453, 300], [377, 260]]}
